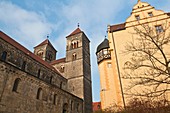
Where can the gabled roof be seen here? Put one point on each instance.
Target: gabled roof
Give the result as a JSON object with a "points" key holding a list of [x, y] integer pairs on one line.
{"points": [[26, 51], [44, 43], [58, 61], [78, 30]]}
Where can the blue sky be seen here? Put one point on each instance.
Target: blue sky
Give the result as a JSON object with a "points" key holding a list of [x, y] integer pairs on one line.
{"points": [[29, 22]]}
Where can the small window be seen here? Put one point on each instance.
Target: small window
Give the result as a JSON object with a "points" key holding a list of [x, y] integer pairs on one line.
{"points": [[62, 69], [74, 44], [101, 53], [54, 100], [39, 71], [40, 53], [150, 14], [23, 65], [4, 55], [105, 51], [77, 44], [74, 57], [109, 65], [159, 29], [61, 85], [78, 107], [71, 105], [16, 84], [50, 56], [51, 79], [39, 93], [137, 17]]}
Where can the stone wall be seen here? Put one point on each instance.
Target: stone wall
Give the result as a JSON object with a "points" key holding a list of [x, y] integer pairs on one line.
{"points": [[27, 86]]}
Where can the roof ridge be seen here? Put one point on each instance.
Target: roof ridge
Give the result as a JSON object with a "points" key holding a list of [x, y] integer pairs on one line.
{"points": [[76, 31], [46, 41]]}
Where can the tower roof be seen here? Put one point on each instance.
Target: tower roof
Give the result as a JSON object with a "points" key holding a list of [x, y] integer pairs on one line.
{"points": [[78, 30], [103, 45], [44, 43]]}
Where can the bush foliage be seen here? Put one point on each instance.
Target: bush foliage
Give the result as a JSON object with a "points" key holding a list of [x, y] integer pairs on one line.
{"points": [[143, 106]]}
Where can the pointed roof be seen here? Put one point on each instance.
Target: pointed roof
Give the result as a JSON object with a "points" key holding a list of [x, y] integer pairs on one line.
{"points": [[103, 45], [44, 43], [78, 30]]}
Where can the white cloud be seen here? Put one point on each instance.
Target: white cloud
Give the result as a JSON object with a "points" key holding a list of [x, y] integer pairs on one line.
{"points": [[26, 26]]}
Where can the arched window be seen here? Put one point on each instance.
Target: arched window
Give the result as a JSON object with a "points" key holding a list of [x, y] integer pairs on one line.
{"points": [[55, 99], [62, 68], [39, 93], [78, 107], [39, 71], [61, 83], [71, 105], [74, 57], [4, 55], [40, 53], [16, 84], [65, 108], [72, 46], [51, 79], [77, 44]]}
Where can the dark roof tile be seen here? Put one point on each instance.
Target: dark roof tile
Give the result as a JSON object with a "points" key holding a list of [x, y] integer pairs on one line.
{"points": [[78, 30], [103, 45], [44, 43], [117, 27]]}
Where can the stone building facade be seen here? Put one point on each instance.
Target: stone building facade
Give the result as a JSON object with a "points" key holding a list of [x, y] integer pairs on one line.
{"points": [[111, 57], [37, 83]]}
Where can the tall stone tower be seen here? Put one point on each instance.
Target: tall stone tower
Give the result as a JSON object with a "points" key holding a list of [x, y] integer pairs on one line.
{"points": [[78, 68], [46, 51]]}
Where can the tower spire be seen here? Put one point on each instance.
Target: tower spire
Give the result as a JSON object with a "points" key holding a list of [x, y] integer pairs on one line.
{"points": [[78, 25], [48, 36]]}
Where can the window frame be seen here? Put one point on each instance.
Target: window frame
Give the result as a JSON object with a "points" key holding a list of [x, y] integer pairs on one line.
{"points": [[16, 84], [4, 55], [137, 17], [159, 29], [150, 14]]}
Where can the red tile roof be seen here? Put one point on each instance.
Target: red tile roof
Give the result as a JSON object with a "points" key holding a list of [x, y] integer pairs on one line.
{"points": [[96, 106], [117, 27], [75, 32], [58, 61], [26, 51], [45, 42]]}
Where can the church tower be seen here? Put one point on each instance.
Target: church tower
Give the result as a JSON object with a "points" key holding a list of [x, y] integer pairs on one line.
{"points": [[46, 51], [78, 68]]}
